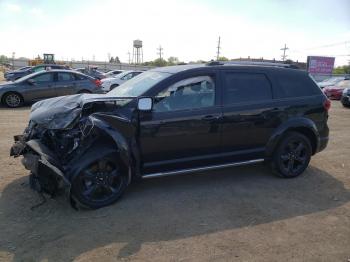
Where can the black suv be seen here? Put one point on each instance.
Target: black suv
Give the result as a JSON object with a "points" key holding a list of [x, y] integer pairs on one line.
{"points": [[174, 120]]}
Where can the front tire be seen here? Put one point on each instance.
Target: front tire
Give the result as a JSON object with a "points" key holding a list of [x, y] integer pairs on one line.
{"points": [[99, 184], [13, 100], [292, 155]]}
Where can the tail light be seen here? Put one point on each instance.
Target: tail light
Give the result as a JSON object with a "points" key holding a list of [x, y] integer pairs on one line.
{"points": [[97, 82], [327, 104]]}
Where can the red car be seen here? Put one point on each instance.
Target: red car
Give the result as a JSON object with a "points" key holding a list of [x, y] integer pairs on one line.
{"points": [[335, 92]]}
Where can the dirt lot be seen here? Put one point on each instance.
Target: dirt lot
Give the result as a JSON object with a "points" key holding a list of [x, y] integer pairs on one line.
{"points": [[238, 214]]}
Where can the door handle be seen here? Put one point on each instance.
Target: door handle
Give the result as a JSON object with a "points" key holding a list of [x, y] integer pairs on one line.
{"points": [[210, 117]]}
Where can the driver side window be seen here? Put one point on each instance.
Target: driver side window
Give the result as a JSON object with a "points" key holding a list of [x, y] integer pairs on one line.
{"points": [[190, 93]]}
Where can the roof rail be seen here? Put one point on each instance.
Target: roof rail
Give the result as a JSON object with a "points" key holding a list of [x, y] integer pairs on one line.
{"points": [[214, 63], [261, 64]]}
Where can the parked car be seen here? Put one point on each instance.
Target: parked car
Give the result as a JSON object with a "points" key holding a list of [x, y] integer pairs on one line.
{"points": [[112, 82], [46, 84], [335, 92], [17, 74], [113, 73], [345, 98], [24, 68], [174, 120], [92, 71], [331, 81]]}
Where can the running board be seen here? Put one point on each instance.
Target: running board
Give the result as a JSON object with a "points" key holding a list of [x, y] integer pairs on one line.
{"points": [[198, 169]]}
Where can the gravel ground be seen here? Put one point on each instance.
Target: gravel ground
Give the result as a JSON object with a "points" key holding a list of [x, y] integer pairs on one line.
{"points": [[237, 214]]}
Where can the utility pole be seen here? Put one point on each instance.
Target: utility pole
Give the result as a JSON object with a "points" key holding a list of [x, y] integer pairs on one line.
{"points": [[285, 48], [218, 50], [129, 57], [160, 49], [13, 60]]}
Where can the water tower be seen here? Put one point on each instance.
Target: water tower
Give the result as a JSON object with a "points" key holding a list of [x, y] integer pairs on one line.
{"points": [[137, 52]]}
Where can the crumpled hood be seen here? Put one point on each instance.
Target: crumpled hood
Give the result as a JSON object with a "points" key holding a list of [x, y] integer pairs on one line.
{"points": [[60, 112]]}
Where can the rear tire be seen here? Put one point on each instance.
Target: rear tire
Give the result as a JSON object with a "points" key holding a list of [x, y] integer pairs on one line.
{"points": [[12, 100], [292, 155]]}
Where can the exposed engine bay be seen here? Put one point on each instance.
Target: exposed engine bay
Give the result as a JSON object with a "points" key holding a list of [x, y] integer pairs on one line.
{"points": [[65, 133]]}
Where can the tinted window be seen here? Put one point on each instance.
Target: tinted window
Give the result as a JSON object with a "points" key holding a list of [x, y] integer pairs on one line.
{"points": [[190, 93], [79, 77], [294, 86], [64, 77], [47, 77], [246, 87]]}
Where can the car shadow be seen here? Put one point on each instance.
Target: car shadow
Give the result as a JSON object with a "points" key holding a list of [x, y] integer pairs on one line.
{"points": [[22, 108], [161, 209]]}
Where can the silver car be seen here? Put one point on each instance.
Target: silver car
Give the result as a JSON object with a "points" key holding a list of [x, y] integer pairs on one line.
{"points": [[46, 84], [112, 82]]}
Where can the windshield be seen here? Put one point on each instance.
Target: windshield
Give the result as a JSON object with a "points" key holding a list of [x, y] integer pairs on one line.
{"points": [[139, 84], [121, 74], [343, 84]]}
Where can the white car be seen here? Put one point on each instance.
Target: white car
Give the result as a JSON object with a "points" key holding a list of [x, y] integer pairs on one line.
{"points": [[113, 73], [112, 82]]}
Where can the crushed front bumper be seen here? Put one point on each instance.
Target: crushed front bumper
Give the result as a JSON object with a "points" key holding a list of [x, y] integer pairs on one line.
{"points": [[43, 165]]}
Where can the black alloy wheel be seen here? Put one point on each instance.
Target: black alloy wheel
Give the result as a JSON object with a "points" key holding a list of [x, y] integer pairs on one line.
{"points": [[99, 184], [292, 156]]}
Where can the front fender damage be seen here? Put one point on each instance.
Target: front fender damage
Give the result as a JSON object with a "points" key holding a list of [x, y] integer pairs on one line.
{"points": [[55, 157]]}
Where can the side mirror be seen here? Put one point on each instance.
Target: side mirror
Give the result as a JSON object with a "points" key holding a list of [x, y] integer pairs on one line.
{"points": [[145, 104], [31, 81]]}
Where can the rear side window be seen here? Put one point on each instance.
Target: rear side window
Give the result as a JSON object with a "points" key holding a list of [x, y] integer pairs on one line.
{"points": [[79, 77], [294, 86], [246, 87], [65, 77]]}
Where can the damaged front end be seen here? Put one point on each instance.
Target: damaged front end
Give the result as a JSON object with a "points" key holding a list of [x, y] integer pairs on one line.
{"points": [[66, 134]]}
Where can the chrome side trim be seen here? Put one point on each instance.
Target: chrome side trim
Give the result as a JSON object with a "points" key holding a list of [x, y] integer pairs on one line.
{"points": [[198, 169]]}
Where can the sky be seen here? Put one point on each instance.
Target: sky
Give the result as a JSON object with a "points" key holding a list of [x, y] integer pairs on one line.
{"points": [[187, 29]]}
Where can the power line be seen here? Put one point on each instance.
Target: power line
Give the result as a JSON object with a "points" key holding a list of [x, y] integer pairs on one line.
{"points": [[329, 45], [285, 48], [318, 47], [218, 50]]}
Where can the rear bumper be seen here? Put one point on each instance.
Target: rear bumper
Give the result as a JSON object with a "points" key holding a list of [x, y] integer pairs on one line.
{"points": [[323, 143]]}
